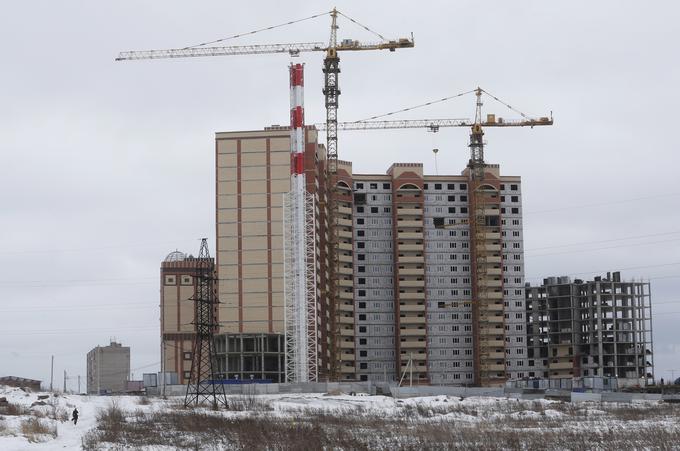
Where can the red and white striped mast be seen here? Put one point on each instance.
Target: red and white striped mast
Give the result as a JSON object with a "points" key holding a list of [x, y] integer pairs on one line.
{"points": [[299, 249]]}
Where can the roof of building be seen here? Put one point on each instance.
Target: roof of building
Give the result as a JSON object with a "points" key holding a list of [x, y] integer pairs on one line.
{"points": [[175, 256], [19, 380]]}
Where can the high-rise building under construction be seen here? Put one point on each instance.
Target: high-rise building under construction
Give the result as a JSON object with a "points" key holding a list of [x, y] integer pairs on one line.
{"points": [[411, 266]]}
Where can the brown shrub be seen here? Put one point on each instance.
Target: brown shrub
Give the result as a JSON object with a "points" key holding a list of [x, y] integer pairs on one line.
{"points": [[13, 409], [35, 429]]}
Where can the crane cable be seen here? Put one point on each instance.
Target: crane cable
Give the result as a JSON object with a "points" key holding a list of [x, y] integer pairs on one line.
{"points": [[443, 99], [506, 105], [256, 31], [362, 26]]}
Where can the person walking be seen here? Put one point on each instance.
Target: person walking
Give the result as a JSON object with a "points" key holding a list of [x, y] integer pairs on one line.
{"points": [[75, 416]]}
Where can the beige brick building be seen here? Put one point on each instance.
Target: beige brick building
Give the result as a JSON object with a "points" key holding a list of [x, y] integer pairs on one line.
{"points": [[178, 287]]}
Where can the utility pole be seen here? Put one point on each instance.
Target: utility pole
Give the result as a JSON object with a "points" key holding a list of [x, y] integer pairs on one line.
{"points": [[52, 374], [64, 381], [79, 384]]}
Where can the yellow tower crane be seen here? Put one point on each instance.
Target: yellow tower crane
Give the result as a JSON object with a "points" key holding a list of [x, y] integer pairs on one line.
{"points": [[488, 326], [331, 91]]}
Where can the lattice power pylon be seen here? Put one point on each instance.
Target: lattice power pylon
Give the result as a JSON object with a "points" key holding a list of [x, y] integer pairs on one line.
{"points": [[203, 384]]}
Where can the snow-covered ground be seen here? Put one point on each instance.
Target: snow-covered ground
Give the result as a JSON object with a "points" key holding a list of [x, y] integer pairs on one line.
{"points": [[460, 416]]}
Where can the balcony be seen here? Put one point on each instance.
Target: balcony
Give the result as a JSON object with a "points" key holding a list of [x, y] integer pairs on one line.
{"points": [[409, 235], [345, 271], [344, 222], [493, 343], [345, 283], [410, 247], [413, 356], [347, 369], [406, 296], [347, 332], [346, 234], [492, 236], [406, 223], [407, 320], [493, 367], [490, 283], [412, 344], [412, 308], [345, 258], [491, 319], [411, 283], [409, 211], [346, 320], [412, 272], [560, 366], [406, 259], [345, 211], [412, 333], [345, 246]]}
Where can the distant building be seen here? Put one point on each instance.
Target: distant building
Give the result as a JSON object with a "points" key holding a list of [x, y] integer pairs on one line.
{"points": [[178, 315], [601, 327], [108, 369], [20, 382]]}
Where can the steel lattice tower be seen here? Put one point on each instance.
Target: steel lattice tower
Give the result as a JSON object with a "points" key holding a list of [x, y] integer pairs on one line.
{"points": [[202, 382]]}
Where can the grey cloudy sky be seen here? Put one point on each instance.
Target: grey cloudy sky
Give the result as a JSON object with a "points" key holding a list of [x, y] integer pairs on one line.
{"points": [[106, 167]]}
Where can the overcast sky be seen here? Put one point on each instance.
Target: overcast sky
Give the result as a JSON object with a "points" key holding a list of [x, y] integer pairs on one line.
{"points": [[105, 167]]}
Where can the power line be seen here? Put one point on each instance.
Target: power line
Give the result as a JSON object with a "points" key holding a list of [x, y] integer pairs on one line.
{"points": [[75, 331], [599, 204], [601, 271], [603, 241], [604, 248], [97, 248], [52, 308]]}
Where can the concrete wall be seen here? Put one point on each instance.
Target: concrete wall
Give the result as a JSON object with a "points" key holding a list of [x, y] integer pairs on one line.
{"points": [[262, 389]]}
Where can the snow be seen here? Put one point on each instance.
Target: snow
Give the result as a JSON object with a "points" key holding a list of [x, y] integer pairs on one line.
{"points": [[437, 409]]}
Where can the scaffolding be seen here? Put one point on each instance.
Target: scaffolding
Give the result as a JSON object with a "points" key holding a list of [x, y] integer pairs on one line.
{"points": [[300, 288]]}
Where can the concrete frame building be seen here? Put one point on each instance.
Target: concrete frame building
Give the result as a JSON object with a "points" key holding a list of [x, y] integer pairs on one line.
{"points": [[108, 369], [582, 328]]}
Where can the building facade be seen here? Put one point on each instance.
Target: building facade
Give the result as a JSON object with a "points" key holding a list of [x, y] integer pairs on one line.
{"points": [[415, 262], [420, 288], [253, 173], [601, 327], [178, 313], [108, 369]]}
